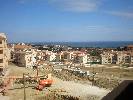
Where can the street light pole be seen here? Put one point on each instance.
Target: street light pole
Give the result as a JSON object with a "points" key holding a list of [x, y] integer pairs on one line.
{"points": [[24, 86], [93, 76]]}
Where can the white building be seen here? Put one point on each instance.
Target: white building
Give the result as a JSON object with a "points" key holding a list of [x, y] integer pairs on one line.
{"points": [[51, 57], [82, 58], [70, 56], [58, 57], [108, 58], [25, 59], [123, 58]]}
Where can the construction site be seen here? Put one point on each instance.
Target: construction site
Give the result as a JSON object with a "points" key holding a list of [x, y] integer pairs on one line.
{"points": [[27, 73], [56, 83]]}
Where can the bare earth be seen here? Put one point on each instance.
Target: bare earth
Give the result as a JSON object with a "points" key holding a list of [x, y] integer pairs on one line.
{"points": [[80, 90], [83, 91]]}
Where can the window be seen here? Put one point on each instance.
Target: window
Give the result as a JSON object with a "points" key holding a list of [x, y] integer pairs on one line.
{"points": [[1, 51], [1, 60], [0, 41]]}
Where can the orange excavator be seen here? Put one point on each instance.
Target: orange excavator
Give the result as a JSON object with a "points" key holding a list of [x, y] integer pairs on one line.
{"points": [[44, 82]]}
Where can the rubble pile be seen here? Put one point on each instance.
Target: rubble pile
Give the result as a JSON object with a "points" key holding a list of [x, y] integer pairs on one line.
{"points": [[93, 97], [56, 96], [106, 83], [67, 76], [102, 82]]}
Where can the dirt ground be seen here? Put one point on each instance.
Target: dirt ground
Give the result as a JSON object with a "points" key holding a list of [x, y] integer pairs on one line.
{"points": [[106, 77], [82, 91], [113, 71]]}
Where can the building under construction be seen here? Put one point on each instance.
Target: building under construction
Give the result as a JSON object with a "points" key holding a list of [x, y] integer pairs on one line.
{"points": [[3, 53]]}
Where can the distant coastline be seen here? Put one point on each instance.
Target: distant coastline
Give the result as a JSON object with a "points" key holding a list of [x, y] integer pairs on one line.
{"points": [[97, 44]]}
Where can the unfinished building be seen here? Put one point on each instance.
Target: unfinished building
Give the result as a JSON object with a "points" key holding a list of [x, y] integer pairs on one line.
{"points": [[3, 53]]}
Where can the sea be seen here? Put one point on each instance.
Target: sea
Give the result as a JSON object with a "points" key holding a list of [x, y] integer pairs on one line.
{"points": [[97, 44]]}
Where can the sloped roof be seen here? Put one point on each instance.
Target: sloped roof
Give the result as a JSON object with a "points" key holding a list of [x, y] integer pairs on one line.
{"points": [[1, 38], [22, 47], [130, 46]]}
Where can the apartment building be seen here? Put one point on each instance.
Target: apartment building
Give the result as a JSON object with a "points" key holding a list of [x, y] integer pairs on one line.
{"points": [[41, 55], [118, 57], [22, 47], [59, 57], [123, 57], [25, 58], [108, 58], [82, 58], [71, 56], [11, 55], [132, 58], [65, 56], [3, 53], [94, 59], [130, 47], [51, 57]]}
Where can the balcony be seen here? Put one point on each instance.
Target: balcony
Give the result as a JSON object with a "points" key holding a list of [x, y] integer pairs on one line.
{"points": [[1, 45], [1, 65]]}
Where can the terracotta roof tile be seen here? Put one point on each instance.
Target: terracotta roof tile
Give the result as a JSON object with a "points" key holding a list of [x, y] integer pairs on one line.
{"points": [[22, 47], [130, 46], [1, 37]]}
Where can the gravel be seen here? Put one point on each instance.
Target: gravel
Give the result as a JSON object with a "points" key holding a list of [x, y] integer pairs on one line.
{"points": [[84, 91]]}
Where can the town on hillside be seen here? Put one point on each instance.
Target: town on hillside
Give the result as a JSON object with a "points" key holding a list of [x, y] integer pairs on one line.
{"points": [[71, 73]]}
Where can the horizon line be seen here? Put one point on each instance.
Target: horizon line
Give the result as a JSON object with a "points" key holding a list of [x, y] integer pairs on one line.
{"points": [[66, 41]]}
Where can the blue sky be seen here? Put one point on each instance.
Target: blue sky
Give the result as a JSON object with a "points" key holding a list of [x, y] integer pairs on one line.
{"points": [[66, 20]]}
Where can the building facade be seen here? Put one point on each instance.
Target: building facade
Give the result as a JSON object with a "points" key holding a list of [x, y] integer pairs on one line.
{"points": [[3, 53], [25, 59], [108, 58], [51, 57], [124, 58]]}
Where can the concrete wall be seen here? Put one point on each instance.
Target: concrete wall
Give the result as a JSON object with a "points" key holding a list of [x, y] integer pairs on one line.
{"points": [[3, 51]]}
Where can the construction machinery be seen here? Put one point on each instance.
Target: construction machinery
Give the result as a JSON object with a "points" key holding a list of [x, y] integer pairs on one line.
{"points": [[44, 82]]}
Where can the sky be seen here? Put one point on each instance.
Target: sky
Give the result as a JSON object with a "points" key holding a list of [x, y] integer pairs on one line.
{"points": [[66, 20]]}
